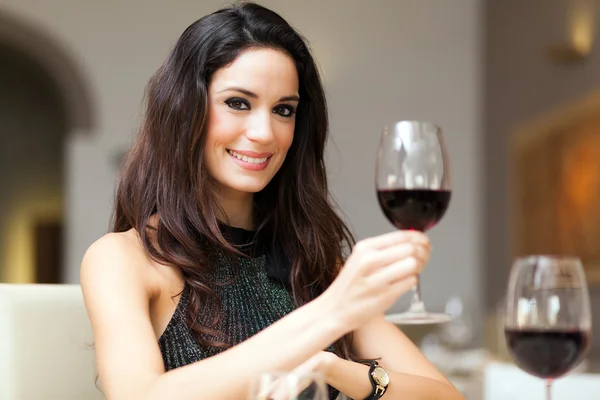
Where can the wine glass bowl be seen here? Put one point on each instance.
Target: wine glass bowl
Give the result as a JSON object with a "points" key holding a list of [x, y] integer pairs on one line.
{"points": [[417, 209], [282, 385], [413, 190], [548, 317]]}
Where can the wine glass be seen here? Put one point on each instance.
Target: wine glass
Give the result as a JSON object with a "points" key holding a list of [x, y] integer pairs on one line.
{"points": [[289, 386], [413, 189], [548, 321]]}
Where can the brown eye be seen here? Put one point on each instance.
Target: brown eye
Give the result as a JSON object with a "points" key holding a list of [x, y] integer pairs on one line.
{"points": [[284, 110], [237, 103]]}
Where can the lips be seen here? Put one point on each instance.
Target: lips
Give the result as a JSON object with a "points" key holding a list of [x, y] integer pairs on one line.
{"points": [[250, 157], [250, 160]]}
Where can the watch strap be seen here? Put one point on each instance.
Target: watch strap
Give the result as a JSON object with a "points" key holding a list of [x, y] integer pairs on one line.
{"points": [[377, 390]]}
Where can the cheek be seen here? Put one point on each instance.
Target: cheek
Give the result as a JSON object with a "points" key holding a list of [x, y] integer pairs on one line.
{"points": [[285, 139], [222, 128]]}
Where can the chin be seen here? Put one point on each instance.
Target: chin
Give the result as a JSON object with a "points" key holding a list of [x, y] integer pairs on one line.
{"points": [[246, 186], [249, 188]]}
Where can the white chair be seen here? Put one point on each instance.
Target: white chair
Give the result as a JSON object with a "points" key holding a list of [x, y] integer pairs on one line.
{"points": [[46, 344], [503, 381]]}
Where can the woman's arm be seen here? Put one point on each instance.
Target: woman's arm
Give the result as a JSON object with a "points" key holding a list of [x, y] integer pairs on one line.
{"points": [[352, 379], [130, 365], [117, 293], [412, 376]]}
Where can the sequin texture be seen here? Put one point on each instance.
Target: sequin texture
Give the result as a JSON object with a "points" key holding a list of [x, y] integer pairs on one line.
{"points": [[251, 301]]}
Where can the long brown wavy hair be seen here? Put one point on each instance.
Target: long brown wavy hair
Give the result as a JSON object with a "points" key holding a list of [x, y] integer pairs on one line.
{"points": [[164, 174]]}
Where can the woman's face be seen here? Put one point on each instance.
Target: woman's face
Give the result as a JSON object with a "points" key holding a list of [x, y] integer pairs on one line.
{"points": [[252, 108]]}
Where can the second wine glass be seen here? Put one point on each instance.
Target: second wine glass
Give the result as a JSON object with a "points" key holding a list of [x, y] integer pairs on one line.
{"points": [[548, 318], [413, 189]]}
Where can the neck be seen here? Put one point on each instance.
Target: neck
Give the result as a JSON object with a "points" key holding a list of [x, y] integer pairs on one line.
{"points": [[238, 208]]}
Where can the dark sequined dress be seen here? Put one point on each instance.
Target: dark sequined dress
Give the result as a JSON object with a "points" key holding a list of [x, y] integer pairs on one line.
{"points": [[254, 294]]}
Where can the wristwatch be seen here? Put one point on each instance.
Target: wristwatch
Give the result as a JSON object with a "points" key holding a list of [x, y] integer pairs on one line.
{"points": [[379, 379]]}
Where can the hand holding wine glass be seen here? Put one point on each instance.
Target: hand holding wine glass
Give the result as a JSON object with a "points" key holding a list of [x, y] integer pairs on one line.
{"points": [[378, 271], [548, 319], [413, 189]]}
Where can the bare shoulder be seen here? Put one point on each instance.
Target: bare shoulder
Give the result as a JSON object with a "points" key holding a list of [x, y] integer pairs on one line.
{"points": [[114, 259], [119, 284], [121, 244]]}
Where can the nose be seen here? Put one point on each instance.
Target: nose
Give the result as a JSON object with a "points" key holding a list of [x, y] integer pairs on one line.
{"points": [[259, 128]]}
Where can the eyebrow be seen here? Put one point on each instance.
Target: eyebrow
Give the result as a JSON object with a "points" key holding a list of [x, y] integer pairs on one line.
{"points": [[255, 96]]}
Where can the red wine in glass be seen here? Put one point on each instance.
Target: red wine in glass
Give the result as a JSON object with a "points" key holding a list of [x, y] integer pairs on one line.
{"points": [[548, 317], [414, 209], [547, 353], [413, 189]]}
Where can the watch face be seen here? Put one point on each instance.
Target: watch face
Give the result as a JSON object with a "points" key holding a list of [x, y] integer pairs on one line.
{"points": [[380, 376]]}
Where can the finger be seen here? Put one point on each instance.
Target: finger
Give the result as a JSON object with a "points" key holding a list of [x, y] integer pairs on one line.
{"points": [[390, 239], [399, 270], [421, 238], [418, 237], [422, 253], [382, 258], [377, 259], [402, 286]]}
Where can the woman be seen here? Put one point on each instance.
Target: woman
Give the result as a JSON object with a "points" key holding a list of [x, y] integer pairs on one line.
{"points": [[227, 257]]}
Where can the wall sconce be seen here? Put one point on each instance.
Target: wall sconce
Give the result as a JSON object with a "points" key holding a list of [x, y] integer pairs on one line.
{"points": [[580, 30]]}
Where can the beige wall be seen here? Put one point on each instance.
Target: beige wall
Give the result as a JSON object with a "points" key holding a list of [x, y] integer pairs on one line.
{"points": [[382, 59]]}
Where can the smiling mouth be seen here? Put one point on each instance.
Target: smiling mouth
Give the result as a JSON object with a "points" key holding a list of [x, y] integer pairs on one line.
{"points": [[250, 160]]}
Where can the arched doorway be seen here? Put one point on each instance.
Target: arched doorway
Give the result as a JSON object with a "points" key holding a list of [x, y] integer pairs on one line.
{"points": [[44, 100]]}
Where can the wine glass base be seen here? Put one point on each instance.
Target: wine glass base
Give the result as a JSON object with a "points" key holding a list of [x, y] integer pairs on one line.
{"points": [[418, 318]]}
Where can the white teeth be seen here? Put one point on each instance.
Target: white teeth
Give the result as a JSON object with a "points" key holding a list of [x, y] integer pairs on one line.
{"points": [[247, 159]]}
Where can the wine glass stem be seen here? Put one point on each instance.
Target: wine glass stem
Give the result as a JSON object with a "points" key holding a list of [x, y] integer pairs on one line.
{"points": [[548, 389], [416, 304]]}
